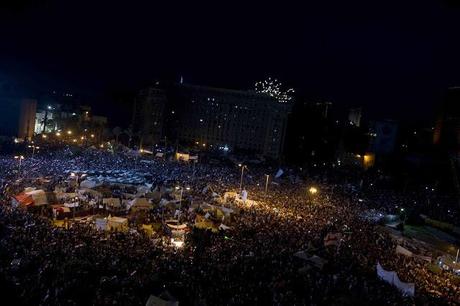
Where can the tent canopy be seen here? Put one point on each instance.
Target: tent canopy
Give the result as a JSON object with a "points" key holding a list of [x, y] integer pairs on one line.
{"points": [[32, 198]]}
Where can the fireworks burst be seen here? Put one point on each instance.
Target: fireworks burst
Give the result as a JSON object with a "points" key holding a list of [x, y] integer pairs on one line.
{"points": [[273, 89]]}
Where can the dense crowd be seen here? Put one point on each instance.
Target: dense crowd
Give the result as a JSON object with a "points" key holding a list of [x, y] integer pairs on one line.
{"points": [[252, 263]]}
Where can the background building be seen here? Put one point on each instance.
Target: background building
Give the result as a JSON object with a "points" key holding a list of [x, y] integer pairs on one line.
{"points": [[383, 137], [354, 116], [17, 113], [60, 113], [212, 118], [447, 128]]}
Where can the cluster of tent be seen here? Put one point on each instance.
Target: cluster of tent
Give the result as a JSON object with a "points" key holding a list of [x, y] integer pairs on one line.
{"points": [[96, 178]]}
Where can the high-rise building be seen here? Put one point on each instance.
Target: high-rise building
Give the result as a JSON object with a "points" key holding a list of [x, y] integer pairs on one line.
{"points": [[447, 128], [383, 137], [354, 116], [17, 113], [212, 118]]}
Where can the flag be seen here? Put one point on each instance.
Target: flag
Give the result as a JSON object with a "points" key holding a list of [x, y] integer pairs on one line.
{"points": [[279, 173]]}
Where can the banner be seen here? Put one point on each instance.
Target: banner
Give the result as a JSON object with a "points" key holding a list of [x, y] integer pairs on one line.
{"points": [[403, 251], [391, 277], [279, 173]]}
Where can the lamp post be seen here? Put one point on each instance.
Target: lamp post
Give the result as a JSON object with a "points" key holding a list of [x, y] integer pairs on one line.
{"points": [[267, 176], [19, 158], [312, 191], [242, 174], [181, 193], [33, 147]]}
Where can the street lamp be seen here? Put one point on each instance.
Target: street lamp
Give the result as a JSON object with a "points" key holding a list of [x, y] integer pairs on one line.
{"points": [[267, 176], [19, 158], [242, 173], [33, 147], [181, 193], [313, 190]]}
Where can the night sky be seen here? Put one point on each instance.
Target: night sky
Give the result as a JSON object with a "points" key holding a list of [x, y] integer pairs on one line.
{"points": [[394, 58]]}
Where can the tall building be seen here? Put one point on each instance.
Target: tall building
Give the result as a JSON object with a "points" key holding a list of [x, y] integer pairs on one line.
{"points": [[383, 137], [447, 129], [212, 118], [17, 113], [354, 116], [148, 115]]}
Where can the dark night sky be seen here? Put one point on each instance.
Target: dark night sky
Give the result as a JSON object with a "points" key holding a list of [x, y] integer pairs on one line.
{"points": [[395, 58]]}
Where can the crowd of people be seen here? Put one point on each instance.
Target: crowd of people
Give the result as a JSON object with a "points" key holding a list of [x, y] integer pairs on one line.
{"points": [[251, 263]]}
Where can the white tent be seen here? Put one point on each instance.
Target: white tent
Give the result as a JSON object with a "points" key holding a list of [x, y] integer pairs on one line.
{"points": [[38, 196], [114, 202], [157, 301], [101, 224], [88, 184], [117, 223], [139, 204]]}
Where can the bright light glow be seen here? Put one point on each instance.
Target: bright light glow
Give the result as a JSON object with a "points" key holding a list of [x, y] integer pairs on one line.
{"points": [[44, 136], [69, 132], [92, 135], [313, 190], [49, 107], [188, 188], [273, 89], [58, 134], [75, 140]]}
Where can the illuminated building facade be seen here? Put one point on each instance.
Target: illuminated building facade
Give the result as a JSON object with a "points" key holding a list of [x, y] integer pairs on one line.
{"points": [[213, 118]]}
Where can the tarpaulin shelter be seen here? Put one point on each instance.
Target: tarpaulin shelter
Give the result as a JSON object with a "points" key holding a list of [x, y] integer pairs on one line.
{"points": [[113, 202], [117, 223], [139, 204], [167, 300], [391, 277], [101, 224], [65, 195], [88, 184], [31, 198]]}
